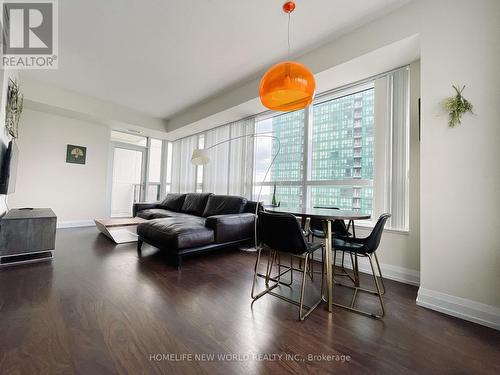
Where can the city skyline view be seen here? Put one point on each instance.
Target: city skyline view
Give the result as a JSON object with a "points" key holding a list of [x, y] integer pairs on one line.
{"points": [[341, 150]]}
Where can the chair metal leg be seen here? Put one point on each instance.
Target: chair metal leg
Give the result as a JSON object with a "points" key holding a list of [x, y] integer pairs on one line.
{"points": [[344, 273], [304, 310], [379, 294], [288, 269], [356, 270], [311, 267], [353, 229], [379, 272], [269, 288], [322, 272], [255, 271], [302, 287], [269, 268], [358, 289]]}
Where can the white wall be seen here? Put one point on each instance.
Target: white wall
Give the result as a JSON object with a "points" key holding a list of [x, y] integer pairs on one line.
{"points": [[460, 173], [75, 192]]}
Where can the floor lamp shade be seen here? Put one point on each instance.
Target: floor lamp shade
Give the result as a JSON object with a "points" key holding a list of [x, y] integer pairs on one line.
{"points": [[287, 86], [200, 157]]}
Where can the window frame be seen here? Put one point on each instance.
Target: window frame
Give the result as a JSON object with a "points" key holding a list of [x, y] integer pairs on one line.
{"points": [[306, 182]]}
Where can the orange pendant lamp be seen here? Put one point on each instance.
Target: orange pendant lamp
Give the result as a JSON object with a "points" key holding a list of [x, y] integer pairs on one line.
{"points": [[288, 85]]}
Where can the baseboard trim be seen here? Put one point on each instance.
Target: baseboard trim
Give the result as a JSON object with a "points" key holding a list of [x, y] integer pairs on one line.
{"points": [[75, 224], [389, 271], [462, 308]]}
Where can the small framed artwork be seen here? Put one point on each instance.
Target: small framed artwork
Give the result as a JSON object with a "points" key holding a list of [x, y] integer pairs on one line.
{"points": [[76, 154]]}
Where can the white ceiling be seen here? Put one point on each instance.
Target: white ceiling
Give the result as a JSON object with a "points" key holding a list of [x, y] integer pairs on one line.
{"points": [[162, 56]]}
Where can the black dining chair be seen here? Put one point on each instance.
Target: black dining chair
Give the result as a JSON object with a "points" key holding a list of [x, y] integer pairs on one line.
{"points": [[281, 234], [364, 247]]}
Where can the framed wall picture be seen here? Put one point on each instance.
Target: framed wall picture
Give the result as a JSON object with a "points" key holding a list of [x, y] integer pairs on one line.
{"points": [[76, 154]]}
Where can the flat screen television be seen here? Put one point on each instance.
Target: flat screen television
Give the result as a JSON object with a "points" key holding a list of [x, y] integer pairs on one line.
{"points": [[8, 171]]}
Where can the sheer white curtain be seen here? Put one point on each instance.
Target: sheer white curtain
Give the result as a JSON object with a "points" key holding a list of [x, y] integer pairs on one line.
{"points": [[241, 158], [231, 164], [216, 173], [183, 171], [392, 120]]}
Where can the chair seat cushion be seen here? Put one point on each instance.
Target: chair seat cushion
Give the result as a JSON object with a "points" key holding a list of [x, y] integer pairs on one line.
{"points": [[176, 233], [347, 245]]}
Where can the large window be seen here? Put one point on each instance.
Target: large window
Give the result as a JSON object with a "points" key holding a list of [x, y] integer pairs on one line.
{"points": [[342, 150], [288, 169], [326, 156], [350, 150]]}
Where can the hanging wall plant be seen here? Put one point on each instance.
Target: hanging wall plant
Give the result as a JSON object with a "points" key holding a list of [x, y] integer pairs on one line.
{"points": [[456, 107], [14, 108]]}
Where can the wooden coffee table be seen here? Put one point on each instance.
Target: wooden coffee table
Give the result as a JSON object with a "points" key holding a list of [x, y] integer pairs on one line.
{"points": [[119, 230]]}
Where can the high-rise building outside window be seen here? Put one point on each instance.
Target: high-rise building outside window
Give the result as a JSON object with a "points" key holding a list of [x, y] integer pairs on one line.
{"points": [[327, 154]]}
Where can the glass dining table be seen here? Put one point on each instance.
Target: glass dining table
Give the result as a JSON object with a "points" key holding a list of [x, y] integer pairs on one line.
{"points": [[327, 215]]}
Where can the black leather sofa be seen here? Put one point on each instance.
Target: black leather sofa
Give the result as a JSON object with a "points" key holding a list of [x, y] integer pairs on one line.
{"points": [[184, 224]]}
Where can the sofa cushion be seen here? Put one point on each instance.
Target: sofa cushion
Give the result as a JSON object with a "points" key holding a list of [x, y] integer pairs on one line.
{"points": [[176, 233], [149, 213], [195, 203], [173, 202], [224, 205], [140, 206], [158, 213], [234, 227]]}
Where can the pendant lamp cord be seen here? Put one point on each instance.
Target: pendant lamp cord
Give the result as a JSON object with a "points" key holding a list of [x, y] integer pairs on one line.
{"points": [[289, 18]]}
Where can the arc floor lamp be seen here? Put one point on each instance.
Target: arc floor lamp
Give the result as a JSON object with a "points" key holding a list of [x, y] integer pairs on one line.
{"points": [[201, 157]]}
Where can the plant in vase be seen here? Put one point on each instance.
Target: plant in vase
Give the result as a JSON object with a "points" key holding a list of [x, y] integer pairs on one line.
{"points": [[274, 201]]}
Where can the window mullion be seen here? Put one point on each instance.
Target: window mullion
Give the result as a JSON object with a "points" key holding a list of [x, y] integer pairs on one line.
{"points": [[306, 157]]}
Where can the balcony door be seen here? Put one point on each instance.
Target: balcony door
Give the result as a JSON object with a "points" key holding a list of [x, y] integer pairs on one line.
{"points": [[128, 183]]}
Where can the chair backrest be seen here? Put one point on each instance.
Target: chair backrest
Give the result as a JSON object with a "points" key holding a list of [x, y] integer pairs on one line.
{"points": [[373, 240], [338, 226], [282, 232]]}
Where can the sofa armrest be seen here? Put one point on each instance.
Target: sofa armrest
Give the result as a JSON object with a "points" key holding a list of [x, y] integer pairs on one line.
{"points": [[232, 227], [139, 206]]}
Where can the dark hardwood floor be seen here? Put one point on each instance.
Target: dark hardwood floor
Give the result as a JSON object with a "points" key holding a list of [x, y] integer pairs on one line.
{"points": [[99, 309]]}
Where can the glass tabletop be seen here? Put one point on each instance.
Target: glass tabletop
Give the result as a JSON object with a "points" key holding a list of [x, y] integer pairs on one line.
{"points": [[320, 213]]}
